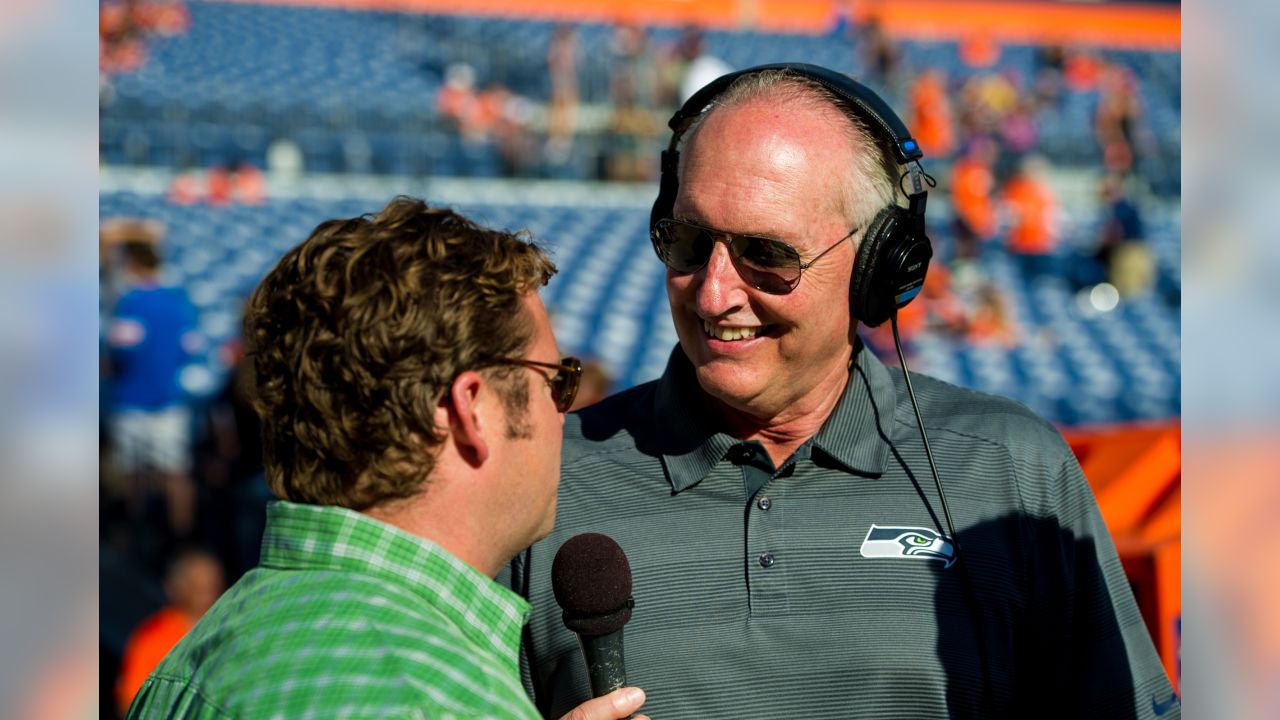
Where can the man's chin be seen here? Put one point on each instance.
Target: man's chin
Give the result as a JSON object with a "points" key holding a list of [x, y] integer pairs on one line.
{"points": [[728, 383]]}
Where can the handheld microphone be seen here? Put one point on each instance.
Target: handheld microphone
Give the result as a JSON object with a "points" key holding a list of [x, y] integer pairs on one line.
{"points": [[591, 579]]}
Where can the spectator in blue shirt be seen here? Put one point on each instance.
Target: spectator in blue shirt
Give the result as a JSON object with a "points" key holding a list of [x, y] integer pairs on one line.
{"points": [[150, 336]]}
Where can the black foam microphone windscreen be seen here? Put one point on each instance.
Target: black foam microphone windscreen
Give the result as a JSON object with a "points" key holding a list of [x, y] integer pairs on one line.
{"points": [[591, 579]]}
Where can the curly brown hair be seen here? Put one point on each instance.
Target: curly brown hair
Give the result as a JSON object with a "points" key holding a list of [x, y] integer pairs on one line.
{"points": [[358, 332]]}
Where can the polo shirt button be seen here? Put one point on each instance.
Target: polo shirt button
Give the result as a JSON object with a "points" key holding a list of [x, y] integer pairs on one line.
{"points": [[767, 559], [764, 503]]}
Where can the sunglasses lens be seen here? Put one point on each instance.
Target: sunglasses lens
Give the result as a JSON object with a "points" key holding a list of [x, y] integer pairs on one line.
{"points": [[769, 265], [684, 248], [772, 283], [765, 254], [565, 384]]}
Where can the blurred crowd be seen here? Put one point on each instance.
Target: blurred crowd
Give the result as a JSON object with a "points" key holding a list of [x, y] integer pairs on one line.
{"points": [[982, 135], [647, 82], [557, 120]]}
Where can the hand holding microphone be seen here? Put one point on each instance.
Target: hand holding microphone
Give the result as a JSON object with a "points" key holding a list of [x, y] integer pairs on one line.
{"points": [[591, 579]]}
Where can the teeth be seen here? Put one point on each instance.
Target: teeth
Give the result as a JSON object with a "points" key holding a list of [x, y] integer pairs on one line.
{"points": [[728, 333]]}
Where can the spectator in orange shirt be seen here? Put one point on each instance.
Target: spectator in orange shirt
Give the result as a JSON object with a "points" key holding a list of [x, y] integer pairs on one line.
{"points": [[1081, 70], [248, 186], [193, 583], [972, 185], [991, 322], [979, 50], [217, 186], [166, 18], [1032, 210], [931, 116], [459, 102]]}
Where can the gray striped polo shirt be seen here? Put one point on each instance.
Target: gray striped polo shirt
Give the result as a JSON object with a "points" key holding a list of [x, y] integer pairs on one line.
{"points": [[829, 587]]}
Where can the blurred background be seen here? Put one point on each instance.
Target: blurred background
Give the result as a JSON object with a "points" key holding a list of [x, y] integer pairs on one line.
{"points": [[227, 131]]}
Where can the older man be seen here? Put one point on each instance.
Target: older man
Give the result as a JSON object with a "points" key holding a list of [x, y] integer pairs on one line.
{"points": [[412, 401], [791, 556]]}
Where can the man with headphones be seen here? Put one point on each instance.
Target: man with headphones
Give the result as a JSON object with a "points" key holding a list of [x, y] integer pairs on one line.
{"points": [[793, 552]]}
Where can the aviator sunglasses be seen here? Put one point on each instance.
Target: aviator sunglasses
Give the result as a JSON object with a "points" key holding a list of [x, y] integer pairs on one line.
{"points": [[564, 384], [768, 265]]}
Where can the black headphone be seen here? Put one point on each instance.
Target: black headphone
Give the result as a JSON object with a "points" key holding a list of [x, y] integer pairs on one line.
{"points": [[894, 254]]}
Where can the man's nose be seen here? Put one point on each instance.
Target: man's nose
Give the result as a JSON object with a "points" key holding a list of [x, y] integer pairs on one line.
{"points": [[719, 287]]}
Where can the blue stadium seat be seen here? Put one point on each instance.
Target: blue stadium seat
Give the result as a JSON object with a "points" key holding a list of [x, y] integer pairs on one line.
{"points": [[608, 302], [281, 69]]}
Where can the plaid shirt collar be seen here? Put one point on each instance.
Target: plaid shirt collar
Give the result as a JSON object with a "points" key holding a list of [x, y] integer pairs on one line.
{"points": [[313, 537]]}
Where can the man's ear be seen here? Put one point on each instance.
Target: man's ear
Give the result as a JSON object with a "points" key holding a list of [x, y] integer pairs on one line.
{"points": [[460, 412]]}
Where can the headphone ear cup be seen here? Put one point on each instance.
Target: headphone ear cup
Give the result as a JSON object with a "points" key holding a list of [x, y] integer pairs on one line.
{"points": [[891, 265], [668, 185], [863, 305]]}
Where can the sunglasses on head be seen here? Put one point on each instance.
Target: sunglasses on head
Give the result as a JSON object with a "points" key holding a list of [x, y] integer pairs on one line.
{"points": [[768, 265], [564, 384]]}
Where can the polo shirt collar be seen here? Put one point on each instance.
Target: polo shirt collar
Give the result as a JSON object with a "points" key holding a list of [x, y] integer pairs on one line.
{"points": [[686, 426], [856, 435], [324, 538]]}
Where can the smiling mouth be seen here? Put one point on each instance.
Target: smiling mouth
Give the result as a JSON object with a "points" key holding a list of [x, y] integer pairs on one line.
{"points": [[731, 334]]}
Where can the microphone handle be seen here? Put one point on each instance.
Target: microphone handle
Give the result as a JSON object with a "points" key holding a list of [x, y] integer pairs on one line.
{"points": [[605, 668]]}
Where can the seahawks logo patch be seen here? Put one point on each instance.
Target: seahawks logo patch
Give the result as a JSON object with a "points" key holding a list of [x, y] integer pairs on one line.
{"points": [[908, 542]]}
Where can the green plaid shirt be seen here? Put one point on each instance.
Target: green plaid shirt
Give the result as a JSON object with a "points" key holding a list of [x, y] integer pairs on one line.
{"points": [[347, 617]]}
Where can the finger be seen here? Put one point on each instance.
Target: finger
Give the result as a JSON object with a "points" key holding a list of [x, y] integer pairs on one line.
{"points": [[627, 700], [616, 705]]}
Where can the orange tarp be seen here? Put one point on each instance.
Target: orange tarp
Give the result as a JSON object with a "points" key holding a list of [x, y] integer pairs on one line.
{"points": [[1102, 25], [1136, 474]]}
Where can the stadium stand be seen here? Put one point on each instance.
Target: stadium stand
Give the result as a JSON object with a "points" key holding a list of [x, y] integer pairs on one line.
{"points": [[1078, 366], [356, 90]]}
